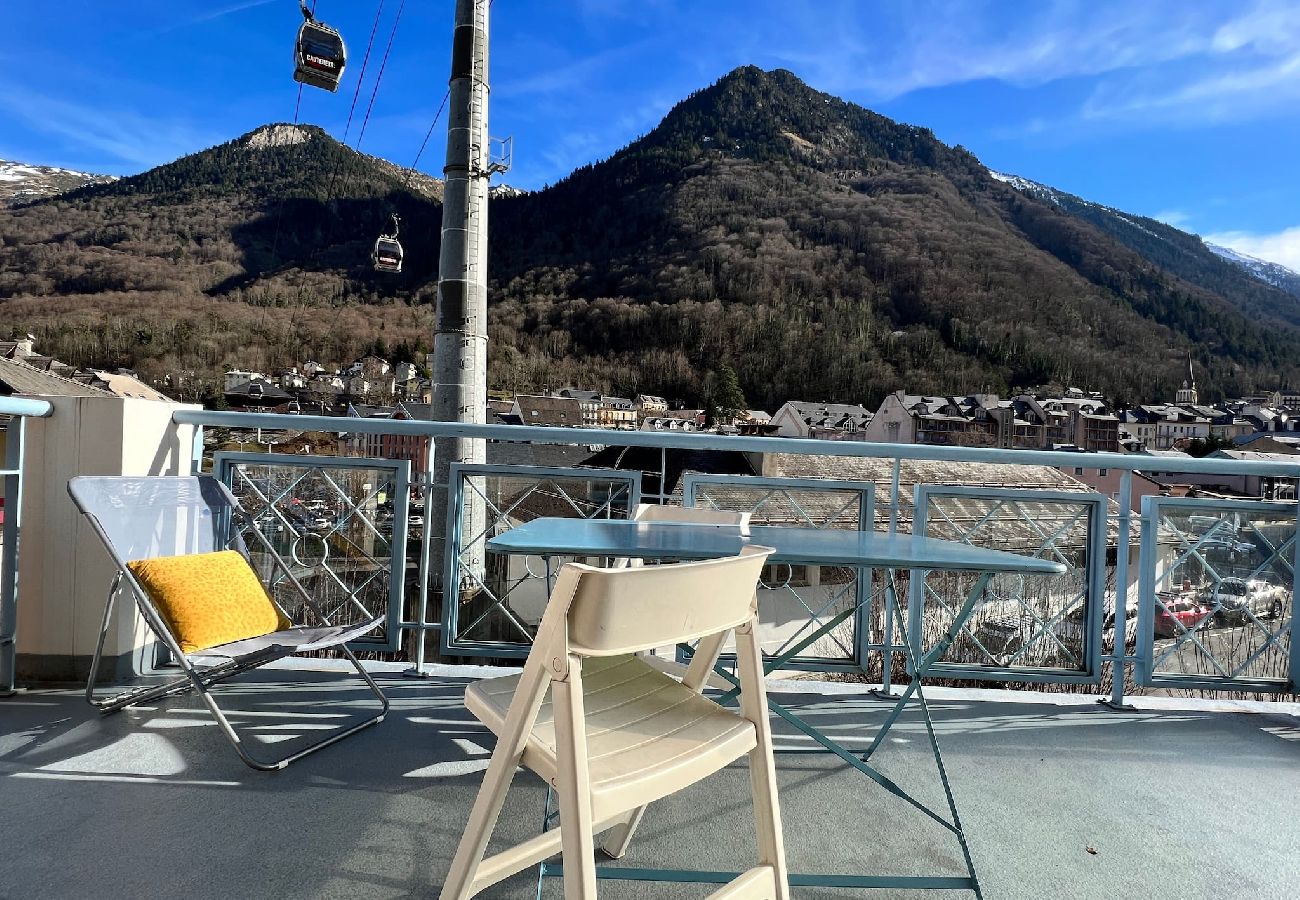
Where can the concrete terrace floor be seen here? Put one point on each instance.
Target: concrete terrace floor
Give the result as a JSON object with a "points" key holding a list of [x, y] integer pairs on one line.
{"points": [[1180, 799]]}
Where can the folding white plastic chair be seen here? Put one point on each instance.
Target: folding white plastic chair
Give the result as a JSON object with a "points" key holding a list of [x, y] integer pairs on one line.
{"points": [[145, 518], [615, 733], [695, 515]]}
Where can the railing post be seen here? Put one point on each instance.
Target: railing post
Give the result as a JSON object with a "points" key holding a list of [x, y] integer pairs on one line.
{"points": [[891, 598], [13, 481], [1119, 650], [426, 542], [196, 451], [1294, 671]]}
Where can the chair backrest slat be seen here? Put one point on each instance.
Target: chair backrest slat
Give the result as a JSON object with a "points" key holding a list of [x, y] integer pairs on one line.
{"points": [[627, 610], [699, 515]]}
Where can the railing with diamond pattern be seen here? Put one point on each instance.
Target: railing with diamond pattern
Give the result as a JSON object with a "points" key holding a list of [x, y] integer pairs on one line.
{"points": [[341, 524], [501, 597], [1217, 594], [1026, 628], [795, 600]]}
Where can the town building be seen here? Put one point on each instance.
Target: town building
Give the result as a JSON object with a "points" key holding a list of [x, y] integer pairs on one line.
{"points": [[824, 421]]}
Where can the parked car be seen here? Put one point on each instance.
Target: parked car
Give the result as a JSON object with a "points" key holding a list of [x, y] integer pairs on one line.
{"points": [[1175, 610], [1234, 600], [269, 524]]}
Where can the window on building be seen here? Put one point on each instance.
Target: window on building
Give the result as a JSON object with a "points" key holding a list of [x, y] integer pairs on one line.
{"points": [[1078, 470], [1102, 472]]}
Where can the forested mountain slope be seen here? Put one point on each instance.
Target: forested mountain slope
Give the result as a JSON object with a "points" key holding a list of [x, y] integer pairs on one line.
{"points": [[825, 251], [1252, 284]]}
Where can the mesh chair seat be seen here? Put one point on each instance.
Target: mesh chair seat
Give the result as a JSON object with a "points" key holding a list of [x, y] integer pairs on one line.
{"points": [[299, 639]]}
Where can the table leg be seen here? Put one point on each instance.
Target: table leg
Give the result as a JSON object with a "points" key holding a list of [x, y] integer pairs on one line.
{"points": [[919, 669]]}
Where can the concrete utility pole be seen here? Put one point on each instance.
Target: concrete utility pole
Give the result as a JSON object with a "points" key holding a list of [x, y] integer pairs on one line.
{"points": [[460, 329]]}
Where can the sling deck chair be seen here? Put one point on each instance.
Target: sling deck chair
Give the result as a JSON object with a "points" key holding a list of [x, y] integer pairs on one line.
{"points": [[147, 520], [616, 733]]}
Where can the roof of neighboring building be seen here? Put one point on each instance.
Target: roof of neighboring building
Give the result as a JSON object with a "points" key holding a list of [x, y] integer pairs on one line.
{"points": [[537, 409], [368, 411], [576, 394], [259, 390], [419, 412], [828, 414], [125, 385], [1283, 454], [19, 378]]}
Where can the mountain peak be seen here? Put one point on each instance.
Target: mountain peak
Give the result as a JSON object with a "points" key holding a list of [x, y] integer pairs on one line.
{"points": [[759, 114], [278, 135]]}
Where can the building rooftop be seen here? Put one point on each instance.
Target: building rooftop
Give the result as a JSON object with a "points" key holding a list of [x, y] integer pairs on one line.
{"points": [[19, 378], [1059, 797]]}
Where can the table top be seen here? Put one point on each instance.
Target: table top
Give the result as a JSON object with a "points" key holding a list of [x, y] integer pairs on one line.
{"points": [[809, 546]]}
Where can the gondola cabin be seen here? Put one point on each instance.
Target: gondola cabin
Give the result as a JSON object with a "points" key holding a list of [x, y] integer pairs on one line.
{"points": [[388, 255], [320, 56]]}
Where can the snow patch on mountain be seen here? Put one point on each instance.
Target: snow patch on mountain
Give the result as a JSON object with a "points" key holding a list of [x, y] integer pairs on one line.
{"points": [[22, 182], [1269, 272], [1024, 185]]}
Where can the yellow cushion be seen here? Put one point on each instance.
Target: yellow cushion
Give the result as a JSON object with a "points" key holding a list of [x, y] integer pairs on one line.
{"points": [[208, 599]]}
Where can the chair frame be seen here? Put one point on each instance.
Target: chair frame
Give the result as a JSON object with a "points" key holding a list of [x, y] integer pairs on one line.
{"points": [[203, 679], [553, 664]]}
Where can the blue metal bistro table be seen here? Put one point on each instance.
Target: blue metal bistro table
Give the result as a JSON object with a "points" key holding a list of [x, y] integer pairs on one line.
{"points": [[550, 537]]}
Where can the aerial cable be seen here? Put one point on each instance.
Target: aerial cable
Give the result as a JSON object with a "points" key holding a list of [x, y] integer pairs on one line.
{"points": [[424, 143], [297, 106], [380, 77], [298, 103], [362, 77]]}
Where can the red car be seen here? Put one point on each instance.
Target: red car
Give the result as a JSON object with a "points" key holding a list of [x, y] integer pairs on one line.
{"points": [[1174, 611]]}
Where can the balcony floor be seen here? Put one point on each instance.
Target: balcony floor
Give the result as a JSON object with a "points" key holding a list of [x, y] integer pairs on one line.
{"points": [[1180, 799]]}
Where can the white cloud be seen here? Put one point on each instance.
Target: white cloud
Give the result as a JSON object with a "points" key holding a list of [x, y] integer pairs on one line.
{"points": [[1282, 247], [1174, 217], [210, 16], [945, 43], [123, 135], [1229, 92]]}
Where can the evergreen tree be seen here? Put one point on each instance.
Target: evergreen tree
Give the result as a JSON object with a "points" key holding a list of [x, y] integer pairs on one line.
{"points": [[729, 400]]}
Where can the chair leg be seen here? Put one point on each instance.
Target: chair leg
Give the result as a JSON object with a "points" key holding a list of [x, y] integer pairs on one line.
{"points": [[459, 884], [280, 762], [574, 786], [133, 696], [762, 764]]}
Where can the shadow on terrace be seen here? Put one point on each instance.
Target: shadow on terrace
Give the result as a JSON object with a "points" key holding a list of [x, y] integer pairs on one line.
{"points": [[1177, 799]]}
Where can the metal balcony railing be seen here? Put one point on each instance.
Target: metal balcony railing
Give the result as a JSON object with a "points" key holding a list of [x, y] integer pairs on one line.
{"points": [[1121, 610]]}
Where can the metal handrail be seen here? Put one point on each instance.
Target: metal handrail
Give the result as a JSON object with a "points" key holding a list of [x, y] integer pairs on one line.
{"points": [[22, 406], [541, 434]]}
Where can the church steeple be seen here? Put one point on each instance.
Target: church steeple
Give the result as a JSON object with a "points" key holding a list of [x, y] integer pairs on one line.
{"points": [[1187, 393]]}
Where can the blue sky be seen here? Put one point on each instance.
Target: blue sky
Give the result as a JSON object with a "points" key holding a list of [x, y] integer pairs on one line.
{"points": [[1186, 111]]}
